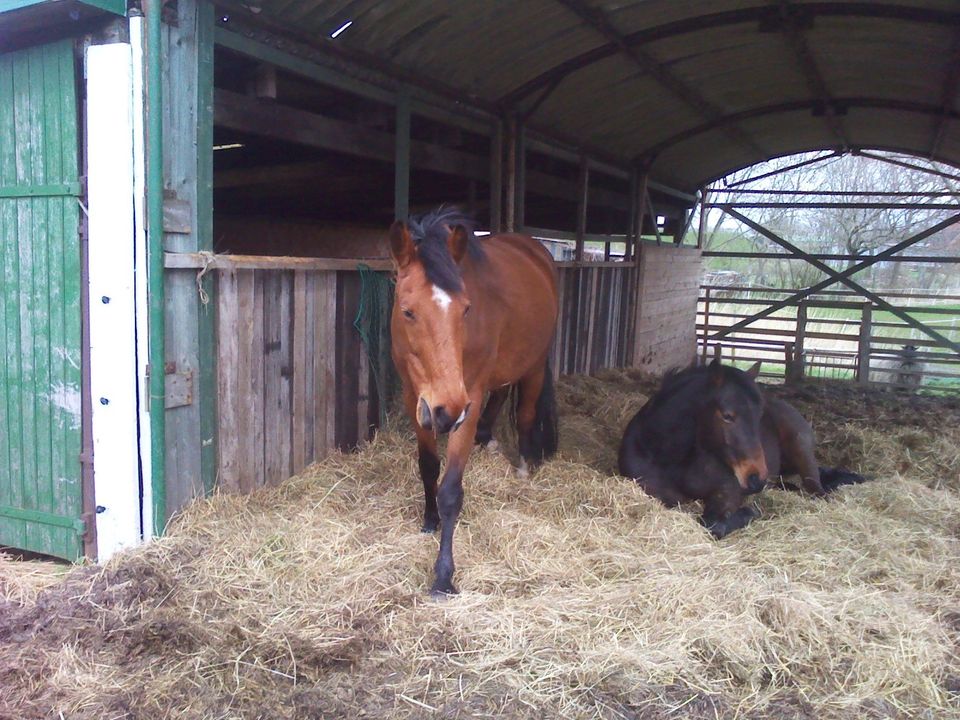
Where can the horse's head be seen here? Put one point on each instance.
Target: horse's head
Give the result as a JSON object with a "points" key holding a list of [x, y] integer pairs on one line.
{"points": [[729, 424], [429, 311]]}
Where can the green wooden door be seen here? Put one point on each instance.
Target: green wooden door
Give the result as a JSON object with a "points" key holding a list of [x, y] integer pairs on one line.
{"points": [[40, 380]]}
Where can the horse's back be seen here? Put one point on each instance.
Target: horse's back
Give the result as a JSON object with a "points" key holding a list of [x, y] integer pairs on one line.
{"points": [[788, 439], [514, 287], [661, 432], [514, 254]]}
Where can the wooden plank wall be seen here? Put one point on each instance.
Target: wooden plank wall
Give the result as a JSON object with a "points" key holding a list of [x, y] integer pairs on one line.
{"points": [[666, 334], [294, 380], [593, 329]]}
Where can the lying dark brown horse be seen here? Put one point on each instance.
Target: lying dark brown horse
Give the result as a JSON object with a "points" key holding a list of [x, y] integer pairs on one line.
{"points": [[708, 434], [470, 318]]}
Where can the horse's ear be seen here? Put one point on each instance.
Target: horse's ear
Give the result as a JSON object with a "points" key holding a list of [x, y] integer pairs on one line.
{"points": [[457, 243], [401, 244], [754, 370], [716, 372]]}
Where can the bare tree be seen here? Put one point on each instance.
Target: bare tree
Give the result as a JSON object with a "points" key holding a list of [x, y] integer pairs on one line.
{"points": [[848, 231]]}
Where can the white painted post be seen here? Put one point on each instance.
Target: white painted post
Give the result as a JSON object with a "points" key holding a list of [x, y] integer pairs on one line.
{"points": [[140, 261], [113, 361]]}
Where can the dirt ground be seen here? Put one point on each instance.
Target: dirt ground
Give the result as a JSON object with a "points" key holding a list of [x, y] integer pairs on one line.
{"points": [[581, 597]]}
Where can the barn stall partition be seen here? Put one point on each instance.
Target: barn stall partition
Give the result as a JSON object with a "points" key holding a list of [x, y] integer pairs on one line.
{"points": [[303, 351]]}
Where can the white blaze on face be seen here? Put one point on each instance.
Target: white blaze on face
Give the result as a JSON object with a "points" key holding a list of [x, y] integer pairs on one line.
{"points": [[441, 298]]}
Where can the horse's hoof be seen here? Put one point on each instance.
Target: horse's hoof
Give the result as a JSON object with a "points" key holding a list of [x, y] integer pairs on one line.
{"points": [[492, 447], [523, 470], [443, 591], [430, 525]]}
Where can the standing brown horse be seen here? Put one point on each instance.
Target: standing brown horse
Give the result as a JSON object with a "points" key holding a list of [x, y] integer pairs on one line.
{"points": [[470, 318]]}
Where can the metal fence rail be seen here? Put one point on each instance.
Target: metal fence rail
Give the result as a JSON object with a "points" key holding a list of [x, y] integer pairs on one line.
{"points": [[833, 334]]}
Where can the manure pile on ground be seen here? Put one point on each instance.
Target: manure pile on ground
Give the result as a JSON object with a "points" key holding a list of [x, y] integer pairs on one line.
{"points": [[581, 597]]}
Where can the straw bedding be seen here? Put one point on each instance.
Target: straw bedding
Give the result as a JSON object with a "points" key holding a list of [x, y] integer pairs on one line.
{"points": [[581, 597]]}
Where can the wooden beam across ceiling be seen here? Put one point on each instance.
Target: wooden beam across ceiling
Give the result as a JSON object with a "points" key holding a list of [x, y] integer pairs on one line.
{"points": [[691, 97]]}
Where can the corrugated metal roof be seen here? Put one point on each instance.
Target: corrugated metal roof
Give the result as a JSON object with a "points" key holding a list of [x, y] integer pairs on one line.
{"points": [[707, 86]]}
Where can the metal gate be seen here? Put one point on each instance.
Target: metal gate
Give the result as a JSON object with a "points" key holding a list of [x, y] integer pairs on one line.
{"points": [[40, 336]]}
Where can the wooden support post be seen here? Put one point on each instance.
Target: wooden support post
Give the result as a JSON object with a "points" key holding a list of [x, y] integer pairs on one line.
{"points": [[520, 179], [863, 347], [401, 167], [583, 192], [496, 178], [653, 216], [641, 200], [717, 352], [799, 356], [706, 324], [702, 227], [633, 233], [510, 173], [789, 363], [264, 83]]}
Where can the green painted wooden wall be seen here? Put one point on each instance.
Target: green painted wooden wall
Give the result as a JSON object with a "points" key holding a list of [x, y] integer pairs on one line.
{"points": [[40, 382]]}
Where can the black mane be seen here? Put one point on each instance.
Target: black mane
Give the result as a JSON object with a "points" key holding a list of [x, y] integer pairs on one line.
{"points": [[674, 378], [429, 233]]}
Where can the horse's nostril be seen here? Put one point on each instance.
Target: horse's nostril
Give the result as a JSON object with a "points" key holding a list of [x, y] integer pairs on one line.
{"points": [[442, 418], [753, 479]]}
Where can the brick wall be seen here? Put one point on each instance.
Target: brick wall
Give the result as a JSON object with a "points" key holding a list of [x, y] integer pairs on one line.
{"points": [[667, 312]]}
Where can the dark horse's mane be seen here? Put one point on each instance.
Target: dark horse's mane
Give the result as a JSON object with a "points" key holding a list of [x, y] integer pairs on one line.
{"points": [[429, 233], [675, 378], [681, 391]]}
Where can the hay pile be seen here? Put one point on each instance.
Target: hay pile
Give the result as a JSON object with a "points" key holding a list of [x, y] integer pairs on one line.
{"points": [[581, 597]]}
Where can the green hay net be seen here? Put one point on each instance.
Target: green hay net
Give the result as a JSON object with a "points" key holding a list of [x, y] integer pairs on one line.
{"points": [[373, 324]]}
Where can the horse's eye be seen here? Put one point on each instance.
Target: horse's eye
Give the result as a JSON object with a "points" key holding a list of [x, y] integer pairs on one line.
{"points": [[728, 417], [466, 310], [408, 313]]}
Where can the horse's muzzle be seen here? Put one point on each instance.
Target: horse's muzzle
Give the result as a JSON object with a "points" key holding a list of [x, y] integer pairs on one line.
{"points": [[755, 484], [440, 420]]}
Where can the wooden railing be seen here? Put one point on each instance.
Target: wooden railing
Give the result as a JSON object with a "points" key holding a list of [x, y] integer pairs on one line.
{"points": [[834, 334]]}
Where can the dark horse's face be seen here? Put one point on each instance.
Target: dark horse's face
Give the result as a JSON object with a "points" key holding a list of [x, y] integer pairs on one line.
{"points": [[729, 424], [428, 325]]}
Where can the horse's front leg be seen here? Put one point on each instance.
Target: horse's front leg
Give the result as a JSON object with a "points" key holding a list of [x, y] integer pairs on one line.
{"points": [[722, 511], [450, 498], [429, 461]]}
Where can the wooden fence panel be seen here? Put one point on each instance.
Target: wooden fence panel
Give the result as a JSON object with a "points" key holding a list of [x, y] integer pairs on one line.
{"points": [[295, 381]]}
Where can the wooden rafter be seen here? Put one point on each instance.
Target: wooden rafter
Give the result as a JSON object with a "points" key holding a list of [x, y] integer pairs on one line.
{"points": [[687, 94]]}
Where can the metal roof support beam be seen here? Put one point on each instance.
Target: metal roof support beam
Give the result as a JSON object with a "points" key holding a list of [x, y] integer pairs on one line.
{"points": [[833, 206], [740, 16], [798, 106], [909, 166], [598, 20], [843, 277], [793, 33], [837, 193], [948, 96]]}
